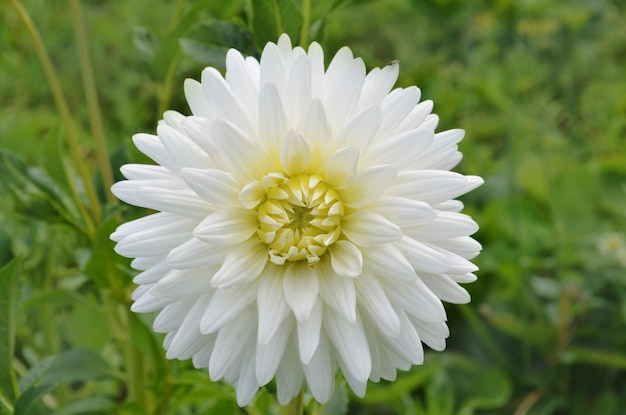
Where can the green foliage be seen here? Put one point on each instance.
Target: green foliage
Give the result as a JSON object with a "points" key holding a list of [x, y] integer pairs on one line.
{"points": [[271, 18], [537, 85], [209, 41], [9, 301]]}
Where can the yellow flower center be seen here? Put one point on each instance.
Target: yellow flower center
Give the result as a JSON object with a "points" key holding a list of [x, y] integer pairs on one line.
{"points": [[299, 217]]}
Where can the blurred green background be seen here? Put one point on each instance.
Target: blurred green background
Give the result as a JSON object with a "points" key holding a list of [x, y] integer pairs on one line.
{"points": [[540, 88]]}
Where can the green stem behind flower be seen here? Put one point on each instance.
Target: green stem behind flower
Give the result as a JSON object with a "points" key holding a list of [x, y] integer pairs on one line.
{"points": [[91, 96], [296, 406], [306, 23], [164, 91], [68, 122]]}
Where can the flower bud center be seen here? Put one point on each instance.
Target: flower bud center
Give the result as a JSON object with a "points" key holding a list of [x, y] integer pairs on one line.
{"points": [[299, 217]]}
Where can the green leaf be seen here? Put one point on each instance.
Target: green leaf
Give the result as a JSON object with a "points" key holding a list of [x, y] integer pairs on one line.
{"points": [[405, 383], [87, 326], [31, 379], [85, 406], [168, 48], [36, 194], [102, 264], [30, 398], [145, 42], [76, 365], [338, 403], [9, 301], [271, 18], [208, 42], [489, 389]]}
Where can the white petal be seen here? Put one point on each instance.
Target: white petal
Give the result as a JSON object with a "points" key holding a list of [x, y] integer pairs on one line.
{"points": [[340, 167], [351, 344], [153, 274], [403, 211], [298, 94], [227, 226], [378, 83], [445, 288], [182, 283], [421, 256], [309, 333], [221, 100], [272, 120], [319, 372], [150, 226], [346, 259], [269, 356], [151, 146], [246, 384], [401, 149], [289, 376], [295, 154], [300, 285], [374, 302], [231, 341], [316, 58], [172, 118], [407, 345], [462, 278], [242, 264], [198, 129], [172, 315], [415, 298], [395, 107], [366, 228], [196, 99], [217, 187], [178, 202], [433, 334], [369, 185], [184, 151], [272, 306], [445, 225], [359, 387], [235, 152], [147, 303], [416, 117], [338, 292], [388, 261], [457, 264], [344, 81], [431, 186], [195, 253], [272, 70], [185, 342], [243, 83], [147, 172], [226, 304], [431, 122], [144, 263], [315, 129], [360, 129]]}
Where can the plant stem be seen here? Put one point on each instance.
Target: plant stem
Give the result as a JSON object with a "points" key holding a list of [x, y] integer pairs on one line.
{"points": [[91, 96], [296, 406], [306, 23], [164, 91], [68, 122], [134, 361]]}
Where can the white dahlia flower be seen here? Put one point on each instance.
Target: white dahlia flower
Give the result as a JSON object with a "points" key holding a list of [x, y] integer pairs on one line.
{"points": [[306, 223]]}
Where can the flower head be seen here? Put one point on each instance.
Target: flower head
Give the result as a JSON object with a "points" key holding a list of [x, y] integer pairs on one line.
{"points": [[306, 222]]}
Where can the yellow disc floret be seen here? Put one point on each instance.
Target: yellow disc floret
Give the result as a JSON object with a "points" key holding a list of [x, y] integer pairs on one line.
{"points": [[299, 217]]}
